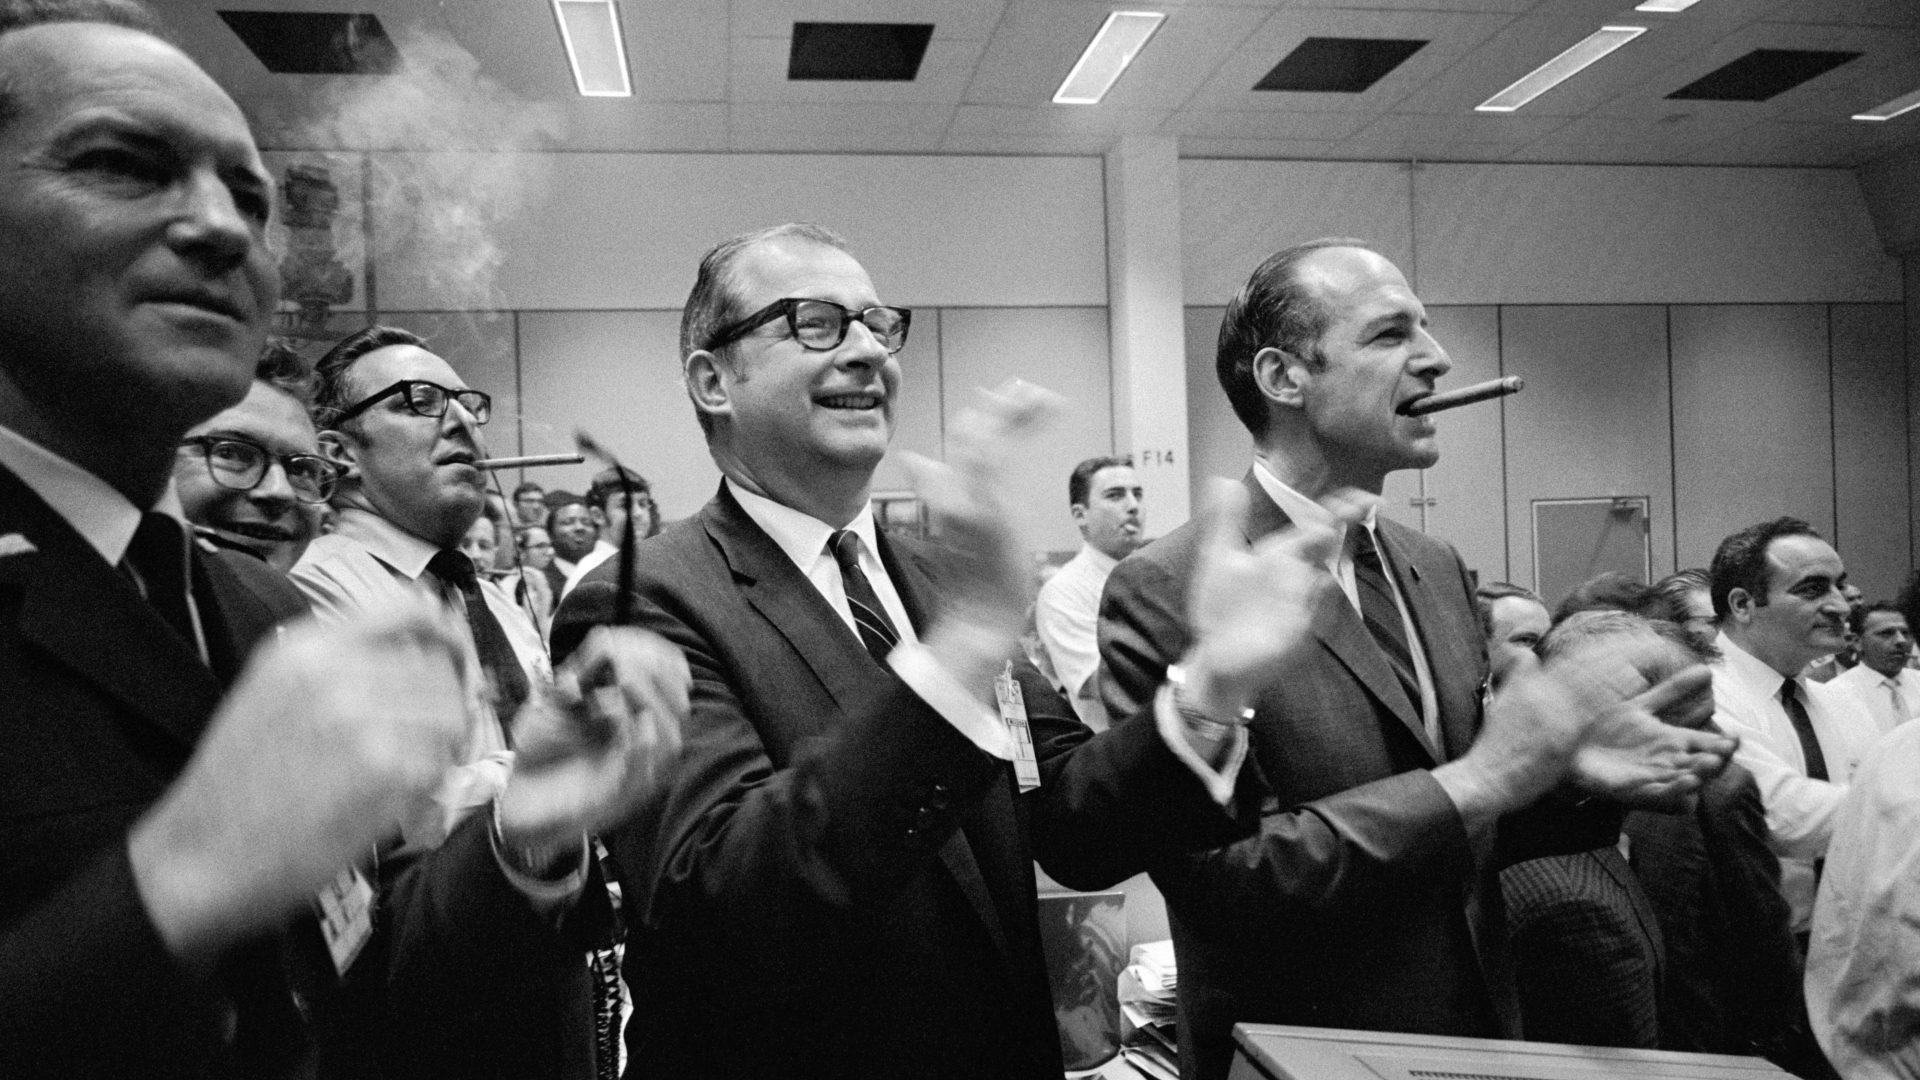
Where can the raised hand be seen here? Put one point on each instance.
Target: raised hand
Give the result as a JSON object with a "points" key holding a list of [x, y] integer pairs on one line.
{"points": [[586, 753], [986, 603], [330, 737], [1644, 752], [1251, 606]]}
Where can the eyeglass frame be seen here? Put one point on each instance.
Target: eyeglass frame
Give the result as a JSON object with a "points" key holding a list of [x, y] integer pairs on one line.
{"points": [[206, 444], [788, 306], [403, 387]]}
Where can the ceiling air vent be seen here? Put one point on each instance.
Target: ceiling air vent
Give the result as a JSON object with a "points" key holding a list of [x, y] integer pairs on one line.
{"points": [[316, 42], [863, 52], [1330, 65], [1761, 74]]}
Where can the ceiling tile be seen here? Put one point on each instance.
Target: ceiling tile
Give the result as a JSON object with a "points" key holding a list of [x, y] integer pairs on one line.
{"points": [[1258, 149], [1418, 148], [1216, 124], [1039, 145], [1449, 37], [1466, 127], [1039, 41], [1649, 95], [829, 129], [1056, 119], [1848, 13], [760, 74]]}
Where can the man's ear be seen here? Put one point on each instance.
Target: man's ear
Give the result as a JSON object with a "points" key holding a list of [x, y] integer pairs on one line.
{"points": [[1740, 605], [599, 517], [340, 449], [1079, 512], [1281, 376], [709, 382]]}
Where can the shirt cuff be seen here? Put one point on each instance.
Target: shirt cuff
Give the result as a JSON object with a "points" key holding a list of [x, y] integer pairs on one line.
{"points": [[923, 674], [1173, 731]]}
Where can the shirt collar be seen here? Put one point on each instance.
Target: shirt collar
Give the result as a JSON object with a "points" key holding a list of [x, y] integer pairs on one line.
{"points": [[405, 552], [1299, 508], [1749, 669], [102, 516], [802, 536], [1097, 559]]}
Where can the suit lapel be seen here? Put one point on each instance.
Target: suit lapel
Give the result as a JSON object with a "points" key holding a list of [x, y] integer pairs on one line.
{"points": [[1420, 571], [779, 591], [1340, 628], [89, 618]]}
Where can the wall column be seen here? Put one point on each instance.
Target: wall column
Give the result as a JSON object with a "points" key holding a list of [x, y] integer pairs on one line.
{"points": [[1146, 319]]}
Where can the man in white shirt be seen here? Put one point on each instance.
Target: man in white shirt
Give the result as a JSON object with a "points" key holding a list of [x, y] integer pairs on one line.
{"points": [[1104, 496], [1882, 681], [509, 854], [1776, 590]]}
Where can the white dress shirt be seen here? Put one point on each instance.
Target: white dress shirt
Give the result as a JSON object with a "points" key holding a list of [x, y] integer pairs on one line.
{"points": [[1877, 694], [1302, 509], [1746, 702], [1066, 615]]}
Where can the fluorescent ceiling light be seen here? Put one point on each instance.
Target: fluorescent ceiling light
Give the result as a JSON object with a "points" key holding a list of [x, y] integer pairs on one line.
{"points": [[1668, 6], [590, 29], [1889, 110], [1560, 68], [1120, 39]]}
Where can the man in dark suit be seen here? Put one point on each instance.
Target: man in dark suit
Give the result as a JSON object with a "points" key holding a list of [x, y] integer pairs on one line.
{"points": [[171, 806], [839, 880], [1365, 898]]}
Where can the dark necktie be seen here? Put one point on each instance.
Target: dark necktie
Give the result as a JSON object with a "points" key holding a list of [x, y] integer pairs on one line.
{"points": [[497, 658], [876, 630], [1378, 609], [1803, 727], [158, 557]]}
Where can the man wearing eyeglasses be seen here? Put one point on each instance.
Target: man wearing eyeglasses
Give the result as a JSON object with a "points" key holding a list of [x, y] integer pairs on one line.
{"points": [[838, 880], [515, 872], [251, 479]]}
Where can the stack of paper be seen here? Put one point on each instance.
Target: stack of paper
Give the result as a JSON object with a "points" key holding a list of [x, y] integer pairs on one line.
{"points": [[1147, 1005]]}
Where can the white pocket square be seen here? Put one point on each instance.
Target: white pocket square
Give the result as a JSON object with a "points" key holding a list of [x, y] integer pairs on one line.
{"points": [[15, 544]]}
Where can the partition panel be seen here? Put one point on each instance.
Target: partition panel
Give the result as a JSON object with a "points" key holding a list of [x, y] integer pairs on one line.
{"points": [[1593, 420], [1217, 442], [1752, 421], [1870, 446], [1064, 350]]}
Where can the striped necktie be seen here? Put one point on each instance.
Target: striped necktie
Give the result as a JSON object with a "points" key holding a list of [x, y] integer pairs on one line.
{"points": [[1381, 613], [876, 630]]}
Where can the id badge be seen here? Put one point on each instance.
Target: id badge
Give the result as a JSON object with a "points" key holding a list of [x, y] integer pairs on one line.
{"points": [[1013, 712], [346, 916]]}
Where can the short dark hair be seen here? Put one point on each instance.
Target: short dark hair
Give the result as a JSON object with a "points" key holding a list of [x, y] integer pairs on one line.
{"points": [[555, 505], [22, 14], [1081, 479], [713, 303], [1741, 561], [1596, 623], [1485, 595], [1611, 590], [1272, 309], [606, 484], [1857, 618], [335, 392], [282, 367], [525, 486], [1678, 586]]}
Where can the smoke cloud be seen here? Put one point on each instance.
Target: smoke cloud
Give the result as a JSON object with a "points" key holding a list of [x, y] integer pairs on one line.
{"points": [[452, 157]]}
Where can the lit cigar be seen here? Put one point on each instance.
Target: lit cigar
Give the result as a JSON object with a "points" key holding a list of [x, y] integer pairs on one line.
{"points": [[533, 462], [1466, 395]]}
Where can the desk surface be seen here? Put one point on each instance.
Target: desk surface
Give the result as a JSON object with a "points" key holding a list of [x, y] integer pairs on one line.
{"points": [[1273, 1052]]}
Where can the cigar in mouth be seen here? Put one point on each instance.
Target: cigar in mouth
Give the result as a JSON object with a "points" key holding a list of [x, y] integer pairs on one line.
{"points": [[531, 462], [1466, 395]]}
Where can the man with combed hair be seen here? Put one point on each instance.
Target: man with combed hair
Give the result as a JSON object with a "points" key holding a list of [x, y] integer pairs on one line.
{"points": [[1364, 895], [1104, 496], [1514, 619], [613, 495], [1777, 593], [839, 880]]}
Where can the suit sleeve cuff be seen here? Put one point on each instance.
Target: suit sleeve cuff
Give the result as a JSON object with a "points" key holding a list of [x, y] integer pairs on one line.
{"points": [[935, 685], [1219, 782]]}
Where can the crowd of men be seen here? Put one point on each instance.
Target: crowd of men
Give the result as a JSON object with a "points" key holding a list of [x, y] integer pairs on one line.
{"points": [[300, 783]]}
